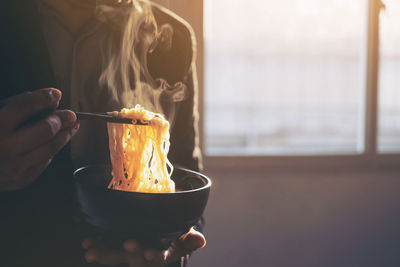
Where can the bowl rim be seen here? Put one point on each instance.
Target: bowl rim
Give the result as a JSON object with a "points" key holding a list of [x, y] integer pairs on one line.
{"points": [[206, 186]]}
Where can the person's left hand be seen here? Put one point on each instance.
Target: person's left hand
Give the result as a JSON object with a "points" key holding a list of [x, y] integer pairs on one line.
{"points": [[135, 256]]}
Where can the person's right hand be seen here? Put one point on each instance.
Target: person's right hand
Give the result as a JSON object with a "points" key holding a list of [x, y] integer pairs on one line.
{"points": [[26, 149]]}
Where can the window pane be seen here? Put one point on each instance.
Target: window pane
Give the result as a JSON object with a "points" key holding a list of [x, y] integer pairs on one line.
{"points": [[283, 77], [389, 78]]}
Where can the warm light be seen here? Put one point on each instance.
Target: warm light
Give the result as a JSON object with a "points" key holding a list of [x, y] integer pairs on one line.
{"points": [[139, 153]]}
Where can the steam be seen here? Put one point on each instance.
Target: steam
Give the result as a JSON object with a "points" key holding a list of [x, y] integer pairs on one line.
{"points": [[133, 36]]}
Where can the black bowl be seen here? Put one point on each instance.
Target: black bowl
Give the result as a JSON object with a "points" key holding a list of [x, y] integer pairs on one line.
{"points": [[154, 219]]}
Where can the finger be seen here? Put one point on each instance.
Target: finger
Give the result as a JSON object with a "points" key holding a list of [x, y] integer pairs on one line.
{"points": [[155, 257], [186, 244], [132, 247], [22, 176], [105, 256], [19, 108], [27, 168], [192, 240], [32, 136], [134, 254], [31, 173], [48, 150]]}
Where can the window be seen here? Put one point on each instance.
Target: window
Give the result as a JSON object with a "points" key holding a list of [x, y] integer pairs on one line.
{"points": [[284, 76], [288, 77]]}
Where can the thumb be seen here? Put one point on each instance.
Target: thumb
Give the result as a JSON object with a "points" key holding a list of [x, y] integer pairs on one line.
{"points": [[186, 244], [191, 241]]}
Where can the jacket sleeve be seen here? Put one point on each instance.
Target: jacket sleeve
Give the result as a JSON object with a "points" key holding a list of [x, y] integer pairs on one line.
{"points": [[185, 150], [177, 65]]}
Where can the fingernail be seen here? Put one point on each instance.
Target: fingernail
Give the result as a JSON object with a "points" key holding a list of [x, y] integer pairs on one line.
{"points": [[77, 125], [203, 244], [74, 129], [71, 117], [54, 94], [54, 122]]}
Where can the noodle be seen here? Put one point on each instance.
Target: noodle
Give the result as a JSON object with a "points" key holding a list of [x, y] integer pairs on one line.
{"points": [[139, 153]]}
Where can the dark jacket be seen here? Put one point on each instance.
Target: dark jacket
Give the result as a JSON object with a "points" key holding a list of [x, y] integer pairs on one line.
{"points": [[36, 223]]}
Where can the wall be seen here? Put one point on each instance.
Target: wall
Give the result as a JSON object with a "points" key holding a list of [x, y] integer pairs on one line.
{"points": [[322, 218]]}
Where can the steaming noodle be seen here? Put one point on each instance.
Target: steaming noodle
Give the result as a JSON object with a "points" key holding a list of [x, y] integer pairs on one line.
{"points": [[139, 153]]}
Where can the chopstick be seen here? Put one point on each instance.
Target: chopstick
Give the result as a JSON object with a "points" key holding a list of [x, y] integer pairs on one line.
{"points": [[108, 118]]}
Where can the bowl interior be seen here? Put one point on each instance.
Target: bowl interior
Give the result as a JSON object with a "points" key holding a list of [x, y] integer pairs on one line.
{"points": [[100, 176]]}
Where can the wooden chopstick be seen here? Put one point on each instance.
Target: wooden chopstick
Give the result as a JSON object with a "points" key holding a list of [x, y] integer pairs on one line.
{"points": [[108, 118]]}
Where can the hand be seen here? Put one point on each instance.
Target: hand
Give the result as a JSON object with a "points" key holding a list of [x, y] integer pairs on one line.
{"points": [[135, 256], [27, 149]]}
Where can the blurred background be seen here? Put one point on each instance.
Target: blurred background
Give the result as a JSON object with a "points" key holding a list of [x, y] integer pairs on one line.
{"points": [[300, 105]]}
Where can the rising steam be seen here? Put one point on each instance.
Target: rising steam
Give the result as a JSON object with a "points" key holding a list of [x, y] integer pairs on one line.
{"points": [[125, 74]]}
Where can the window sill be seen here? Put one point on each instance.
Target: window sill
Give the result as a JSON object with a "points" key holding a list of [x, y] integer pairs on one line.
{"points": [[301, 163]]}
